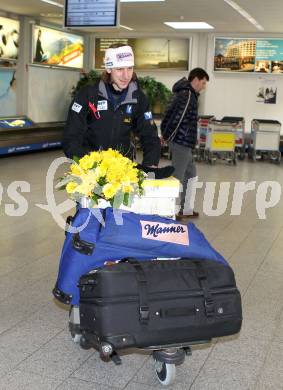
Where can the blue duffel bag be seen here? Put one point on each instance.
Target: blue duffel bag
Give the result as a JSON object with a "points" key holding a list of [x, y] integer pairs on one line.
{"points": [[143, 237]]}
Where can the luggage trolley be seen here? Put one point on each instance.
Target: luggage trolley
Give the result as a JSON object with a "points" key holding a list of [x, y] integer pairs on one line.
{"points": [[265, 140], [203, 126], [238, 125], [148, 302], [165, 357], [220, 142]]}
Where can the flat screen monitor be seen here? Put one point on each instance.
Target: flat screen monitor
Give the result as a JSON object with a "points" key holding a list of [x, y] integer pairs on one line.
{"points": [[91, 13]]}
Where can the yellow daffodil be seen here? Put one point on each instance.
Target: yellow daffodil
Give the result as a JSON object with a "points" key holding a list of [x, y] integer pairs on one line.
{"points": [[110, 190], [71, 187], [128, 188], [95, 156], [86, 162], [76, 170]]}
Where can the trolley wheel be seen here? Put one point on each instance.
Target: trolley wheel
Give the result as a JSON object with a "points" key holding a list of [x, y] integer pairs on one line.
{"points": [[76, 337], [165, 372], [84, 343]]}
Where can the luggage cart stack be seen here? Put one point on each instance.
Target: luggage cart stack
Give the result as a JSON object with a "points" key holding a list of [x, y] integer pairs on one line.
{"points": [[220, 142], [203, 126], [265, 140], [237, 123]]}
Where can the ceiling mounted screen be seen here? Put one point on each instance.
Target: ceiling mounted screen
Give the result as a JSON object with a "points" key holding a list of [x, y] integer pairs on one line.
{"points": [[91, 13]]}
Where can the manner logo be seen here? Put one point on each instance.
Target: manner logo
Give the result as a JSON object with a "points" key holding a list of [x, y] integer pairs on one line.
{"points": [[167, 232], [122, 56]]}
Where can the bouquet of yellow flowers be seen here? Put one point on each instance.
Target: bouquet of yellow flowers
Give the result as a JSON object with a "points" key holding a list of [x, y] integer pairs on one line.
{"points": [[104, 174]]}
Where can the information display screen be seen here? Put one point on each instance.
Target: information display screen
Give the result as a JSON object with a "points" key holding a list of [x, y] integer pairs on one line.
{"points": [[91, 13]]}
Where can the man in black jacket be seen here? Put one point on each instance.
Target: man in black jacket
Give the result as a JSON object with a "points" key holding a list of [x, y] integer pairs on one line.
{"points": [[179, 127], [105, 115]]}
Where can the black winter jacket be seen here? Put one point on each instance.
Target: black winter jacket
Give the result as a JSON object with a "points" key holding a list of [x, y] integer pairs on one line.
{"points": [[187, 131], [109, 126]]}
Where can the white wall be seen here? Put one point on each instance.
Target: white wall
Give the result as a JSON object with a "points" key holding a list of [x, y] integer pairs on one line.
{"points": [[49, 93], [230, 94]]}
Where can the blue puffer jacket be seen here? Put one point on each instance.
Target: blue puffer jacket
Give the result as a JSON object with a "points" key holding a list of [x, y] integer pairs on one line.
{"points": [[187, 131]]}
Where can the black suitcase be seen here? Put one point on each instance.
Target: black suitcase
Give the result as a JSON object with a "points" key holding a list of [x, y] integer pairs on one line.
{"points": [[159, 303]]}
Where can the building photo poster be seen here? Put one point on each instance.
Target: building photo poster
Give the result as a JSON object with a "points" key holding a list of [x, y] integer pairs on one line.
{"points": [[54, 47], [248, 55], [267, 91], [234, 55], [8, 99]]}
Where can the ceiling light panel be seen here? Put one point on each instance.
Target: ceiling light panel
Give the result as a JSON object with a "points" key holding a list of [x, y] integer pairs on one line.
{"points": [[190, 25]]}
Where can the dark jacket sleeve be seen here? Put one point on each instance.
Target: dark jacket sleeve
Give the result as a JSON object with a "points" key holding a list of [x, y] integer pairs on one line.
{"points": [[74, 143], [146, 130]]}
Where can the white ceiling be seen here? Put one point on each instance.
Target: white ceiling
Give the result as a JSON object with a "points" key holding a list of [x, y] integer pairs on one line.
{"points": [[149, 17]]}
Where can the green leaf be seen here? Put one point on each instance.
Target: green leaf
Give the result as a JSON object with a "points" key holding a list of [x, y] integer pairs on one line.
{"points": [[95, 198], [102, 181], [126, 199], [62, 188], [76, 159]]}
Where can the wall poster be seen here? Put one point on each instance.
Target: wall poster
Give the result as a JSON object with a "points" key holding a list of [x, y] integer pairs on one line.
{"points": [[150, 53], [9, 38], [267, 91], [248, 55], [54, 47]]}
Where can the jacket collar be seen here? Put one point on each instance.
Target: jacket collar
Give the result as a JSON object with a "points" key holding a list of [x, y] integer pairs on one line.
{"points": [[129, 98]]}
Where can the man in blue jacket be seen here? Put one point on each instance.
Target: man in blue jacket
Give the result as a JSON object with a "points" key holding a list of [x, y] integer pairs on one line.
{"points": [[179, 127]]}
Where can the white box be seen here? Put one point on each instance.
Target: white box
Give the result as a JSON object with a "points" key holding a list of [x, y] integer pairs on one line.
{"points": [[159, 206], [161, 188]]}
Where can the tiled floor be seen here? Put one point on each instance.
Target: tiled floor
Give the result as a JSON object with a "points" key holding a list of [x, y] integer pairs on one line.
{"points": [[36, 351]]}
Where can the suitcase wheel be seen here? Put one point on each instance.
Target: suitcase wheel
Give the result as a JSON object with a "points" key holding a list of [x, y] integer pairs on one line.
{"points": [[106, 351], [165, 372]]}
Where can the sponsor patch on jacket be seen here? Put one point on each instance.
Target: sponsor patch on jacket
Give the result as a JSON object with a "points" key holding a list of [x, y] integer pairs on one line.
{"points": [[102, 105], [166, 232], [147, 115], [129, 109], [76, 107], [128, 120]]}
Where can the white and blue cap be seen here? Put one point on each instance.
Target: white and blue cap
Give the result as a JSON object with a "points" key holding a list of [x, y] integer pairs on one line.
{"points": [[119, 57]]}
